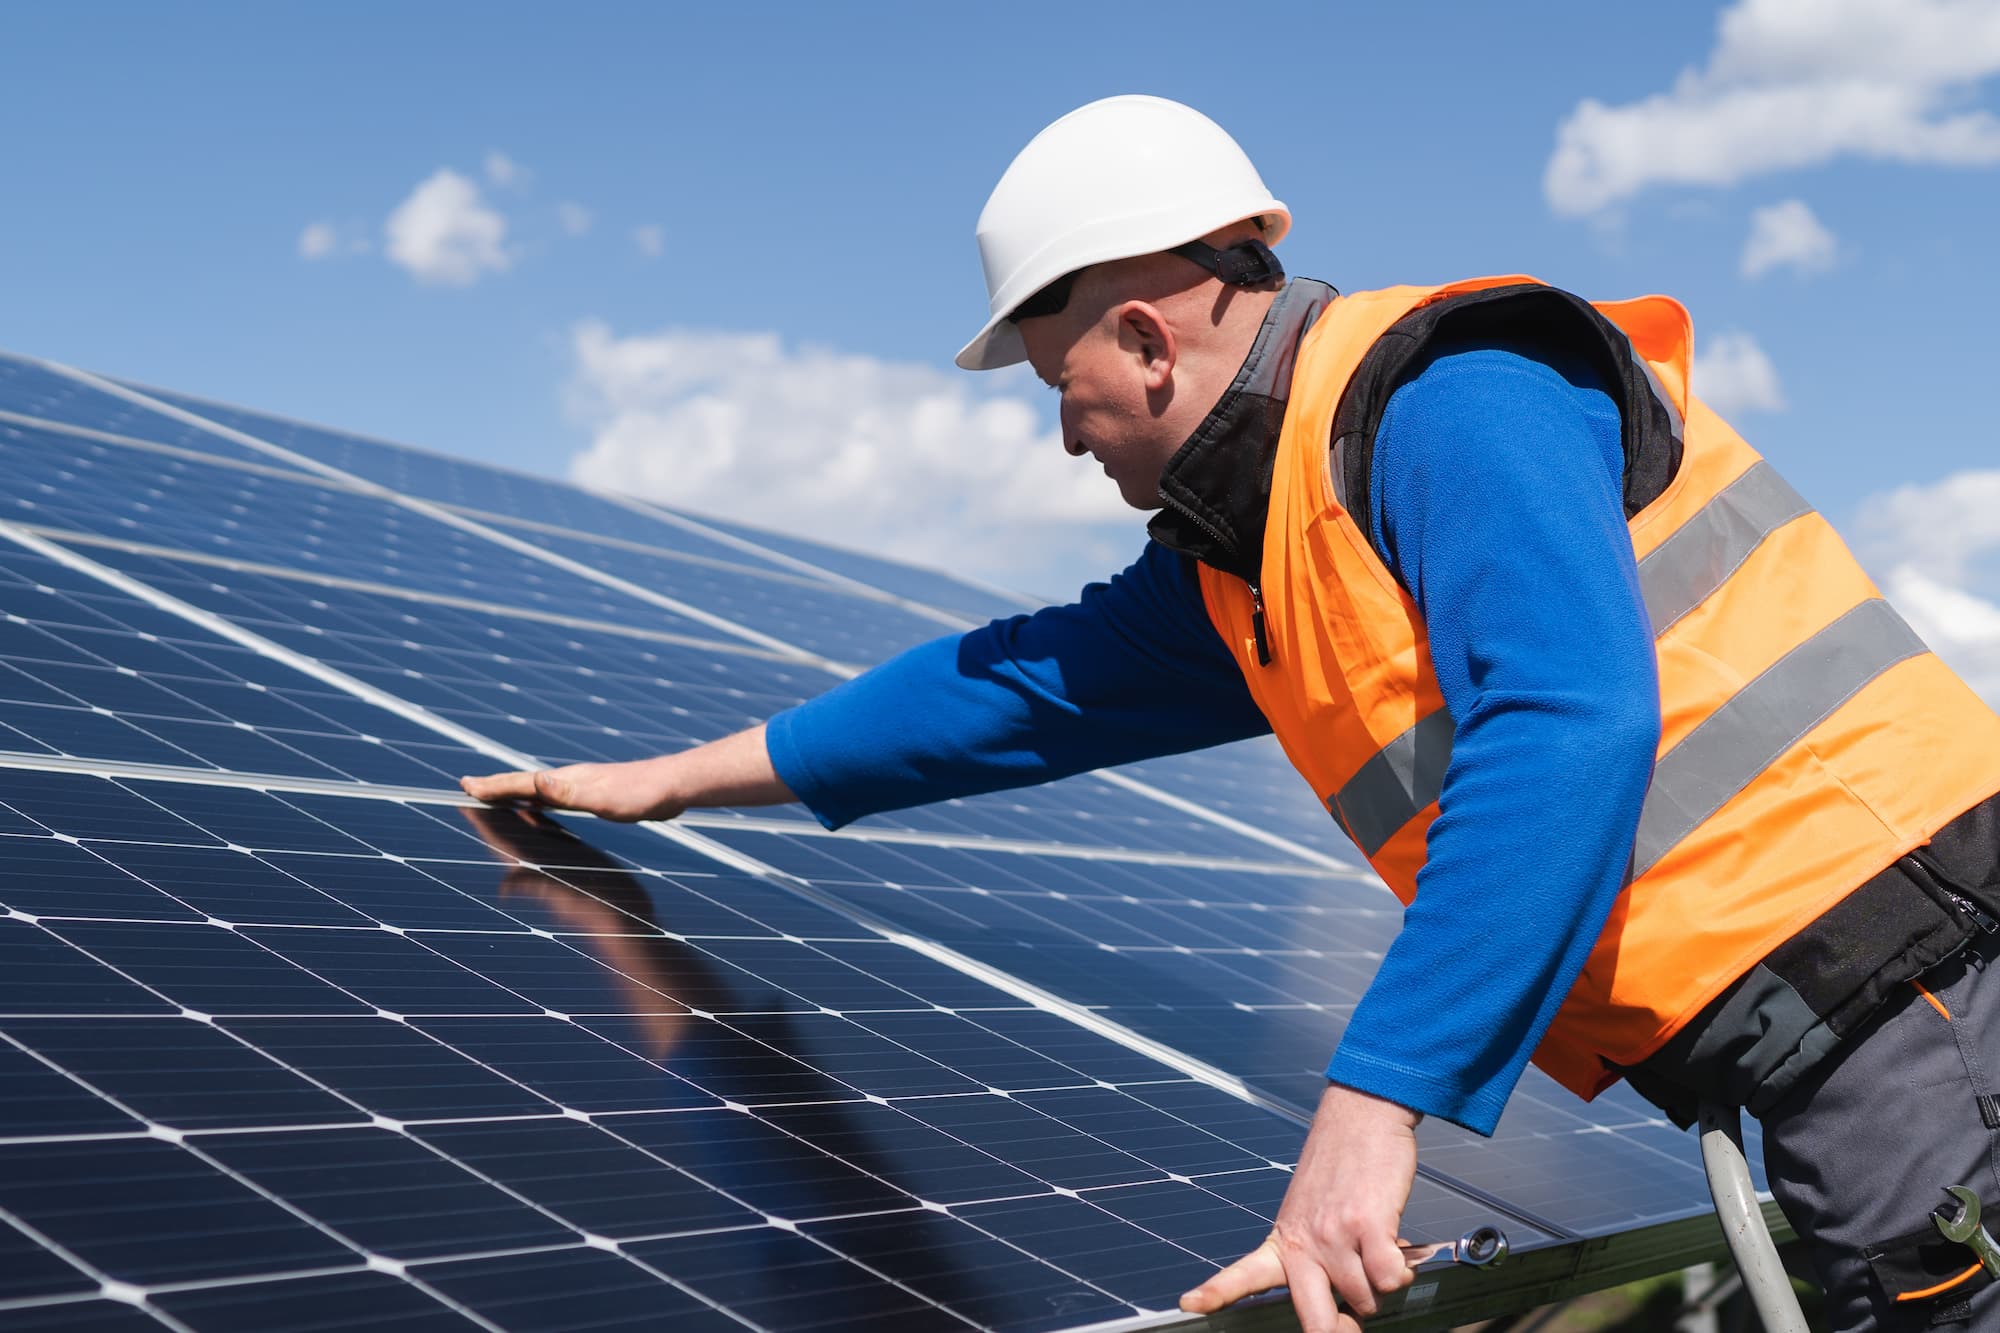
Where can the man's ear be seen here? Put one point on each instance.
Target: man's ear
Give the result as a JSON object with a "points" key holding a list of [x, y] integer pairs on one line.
{"points": [[1144, 333]]}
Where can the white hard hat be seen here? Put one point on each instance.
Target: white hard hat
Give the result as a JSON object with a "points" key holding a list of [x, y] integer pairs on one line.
{"points": [[1125, 176]]}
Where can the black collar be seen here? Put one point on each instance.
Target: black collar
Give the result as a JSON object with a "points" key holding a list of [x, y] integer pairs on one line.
{"points": [[1217, 486]]}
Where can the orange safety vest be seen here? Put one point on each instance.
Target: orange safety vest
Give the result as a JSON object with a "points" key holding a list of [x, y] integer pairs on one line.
{"points": [[1808, 736]]}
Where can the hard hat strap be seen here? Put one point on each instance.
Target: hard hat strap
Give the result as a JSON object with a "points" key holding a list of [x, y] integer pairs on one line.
{"points": [[1245, 264]]}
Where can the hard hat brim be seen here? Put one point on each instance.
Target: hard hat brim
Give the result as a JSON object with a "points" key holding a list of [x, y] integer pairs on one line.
{"points": [[998, 344]]}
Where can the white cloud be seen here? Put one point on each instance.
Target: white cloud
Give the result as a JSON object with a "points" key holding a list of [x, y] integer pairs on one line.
{"points": [[1793, 83], [1732, 374], [651, 239], [905, 460], [503, 170], [445, 233], [1930, 540], [1787, 234], [318, 241], [575, 218]]}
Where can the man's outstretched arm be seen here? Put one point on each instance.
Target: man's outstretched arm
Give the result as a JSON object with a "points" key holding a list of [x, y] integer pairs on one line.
{"points": [[1131, 670], [735, 770]]}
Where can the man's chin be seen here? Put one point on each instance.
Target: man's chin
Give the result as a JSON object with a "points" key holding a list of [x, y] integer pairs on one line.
{"points": [[1144, 501]]}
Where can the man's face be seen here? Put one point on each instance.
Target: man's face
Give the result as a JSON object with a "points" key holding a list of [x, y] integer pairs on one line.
{"points": [[1108, 410]]}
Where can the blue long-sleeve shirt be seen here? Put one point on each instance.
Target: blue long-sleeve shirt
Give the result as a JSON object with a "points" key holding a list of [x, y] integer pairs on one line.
{"points": [[1496, 494]]}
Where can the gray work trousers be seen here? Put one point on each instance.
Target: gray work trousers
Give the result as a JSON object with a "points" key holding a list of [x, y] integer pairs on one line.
{"points": [[1858, 1153]]}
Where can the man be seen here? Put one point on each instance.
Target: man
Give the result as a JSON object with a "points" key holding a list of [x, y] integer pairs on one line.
{"points": [[1479, 559]]}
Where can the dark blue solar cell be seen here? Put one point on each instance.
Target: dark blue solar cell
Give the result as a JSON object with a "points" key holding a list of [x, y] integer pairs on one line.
{"points": [[144, 1211], [40, 1100], [871, 1063], [904, 968], [903, 1151], [87, 735], [543, 1293], [29, 1270], [1194, 1217], [758, 1163], [13, 823], [387, 970], [400, 830], [48, 877], [1097, 1246], [1075, 1047], [42, 974], [1272, 1136], [969, 1272], [588, 1178], [375, 888], [391, 1069], [958, 1042], [571, 1066], [209, 970], [551, 973], [251, 819], [1040, 1145], [1151, 1135], [809, 973], [17, 686], [91, 807], [224, 883], [385, 1192], [179, 1073], [784, 1282], [322, 1304], [237, 749], [744, 1060]]}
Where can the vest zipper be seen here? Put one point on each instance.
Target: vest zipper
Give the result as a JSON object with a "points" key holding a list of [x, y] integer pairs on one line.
{"points": [[1973, 912], [1257, 625]]}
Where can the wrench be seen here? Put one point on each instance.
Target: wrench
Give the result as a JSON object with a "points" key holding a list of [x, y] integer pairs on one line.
{"points": [[1961, 1225], [1482, 1247]]}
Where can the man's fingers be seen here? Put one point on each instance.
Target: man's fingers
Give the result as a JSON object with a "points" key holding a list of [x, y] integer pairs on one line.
{"points": [[1259, 1270], [1312, 1296], [1344, 1271], [1388, 1268], [553, 787], [500, 787]]}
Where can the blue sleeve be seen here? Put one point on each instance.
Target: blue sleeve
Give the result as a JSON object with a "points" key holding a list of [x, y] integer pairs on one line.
{"points": [[1132, 670], [1498, 497]]}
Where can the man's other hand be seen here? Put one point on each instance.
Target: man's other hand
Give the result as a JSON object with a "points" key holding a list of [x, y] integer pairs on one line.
{"points": [[642, 789], [1336, 1230], [735, 770]]}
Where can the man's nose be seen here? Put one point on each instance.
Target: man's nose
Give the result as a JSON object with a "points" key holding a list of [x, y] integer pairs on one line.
{"points": [[1075, 448]]}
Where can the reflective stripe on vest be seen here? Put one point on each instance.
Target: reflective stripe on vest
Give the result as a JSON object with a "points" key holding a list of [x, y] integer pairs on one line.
{"points": [[1407, 775]]}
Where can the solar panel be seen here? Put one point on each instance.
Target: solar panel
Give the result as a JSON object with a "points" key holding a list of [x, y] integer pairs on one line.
{"points": [[292, 1036]]}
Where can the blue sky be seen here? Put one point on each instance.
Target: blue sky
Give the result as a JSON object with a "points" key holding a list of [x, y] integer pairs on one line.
{"points": [[723, 254]]}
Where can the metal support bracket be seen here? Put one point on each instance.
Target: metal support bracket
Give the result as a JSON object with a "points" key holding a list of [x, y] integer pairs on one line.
{"points": [[1750, 1242]]}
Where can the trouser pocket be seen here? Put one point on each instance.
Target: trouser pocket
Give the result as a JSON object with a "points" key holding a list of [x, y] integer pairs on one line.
{"points": [[1929, 1280]]}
